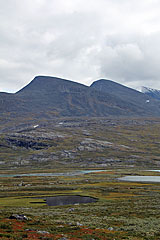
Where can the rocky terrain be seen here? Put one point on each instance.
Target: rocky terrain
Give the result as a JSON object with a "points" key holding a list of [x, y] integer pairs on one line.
{"points": [[80, 142], [56, 122]]}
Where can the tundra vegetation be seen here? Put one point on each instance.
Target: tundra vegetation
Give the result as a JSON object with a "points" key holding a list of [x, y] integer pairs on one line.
{"points": [[117, 147]]}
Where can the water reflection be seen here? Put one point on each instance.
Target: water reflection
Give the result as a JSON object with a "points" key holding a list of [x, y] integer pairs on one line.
{"points": [[67, 200]]}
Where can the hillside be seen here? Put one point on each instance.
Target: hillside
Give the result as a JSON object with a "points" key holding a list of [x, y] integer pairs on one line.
{"points": [[54, 97], [142, 103], [10, 103], [67, 98]]}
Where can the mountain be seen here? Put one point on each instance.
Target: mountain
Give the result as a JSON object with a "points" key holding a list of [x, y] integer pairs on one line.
{"points": [[121, 91], [67, 98], [151, 92], [141, 103], [55, 97]]}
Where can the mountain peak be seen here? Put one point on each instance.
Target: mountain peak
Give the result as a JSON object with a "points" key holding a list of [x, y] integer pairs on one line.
{"points": [[106, 85], [55, 96], [47, 84], [45, 78]]}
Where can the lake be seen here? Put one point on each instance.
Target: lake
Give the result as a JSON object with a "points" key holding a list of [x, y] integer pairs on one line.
{"points": [[66, 200], [155, 179], [74, 173]]}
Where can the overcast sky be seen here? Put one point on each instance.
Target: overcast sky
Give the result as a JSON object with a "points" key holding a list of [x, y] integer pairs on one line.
{"points": [[80, 40]]}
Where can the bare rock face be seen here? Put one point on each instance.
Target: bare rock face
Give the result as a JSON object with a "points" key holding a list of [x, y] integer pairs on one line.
{"points": [[20, 217], [90, 144], [26, 143]]}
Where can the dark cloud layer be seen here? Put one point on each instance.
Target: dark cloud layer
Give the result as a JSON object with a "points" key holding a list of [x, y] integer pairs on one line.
{"points": [[80, 40]]}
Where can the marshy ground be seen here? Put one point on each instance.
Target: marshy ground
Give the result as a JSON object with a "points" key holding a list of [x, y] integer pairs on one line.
{"points": [[124, 210]]}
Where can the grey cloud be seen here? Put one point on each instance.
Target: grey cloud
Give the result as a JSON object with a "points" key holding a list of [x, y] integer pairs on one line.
{"points": [[130, 62], [79, 40]]}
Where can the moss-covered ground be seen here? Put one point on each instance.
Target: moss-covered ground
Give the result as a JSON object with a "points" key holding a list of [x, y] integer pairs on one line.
{"points": [[124, 210]]}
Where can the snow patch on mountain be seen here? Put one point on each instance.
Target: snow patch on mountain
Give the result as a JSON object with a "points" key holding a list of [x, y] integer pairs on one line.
{"points": [[154, 93], [149, 90]]}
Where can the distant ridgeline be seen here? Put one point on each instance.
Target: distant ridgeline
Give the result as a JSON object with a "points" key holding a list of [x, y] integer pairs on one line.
{"points": [[151, 92], [54, 97]]}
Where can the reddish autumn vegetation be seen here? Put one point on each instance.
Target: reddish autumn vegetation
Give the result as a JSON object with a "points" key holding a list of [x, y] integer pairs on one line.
{"points": [[18, 230], [14, 229]]}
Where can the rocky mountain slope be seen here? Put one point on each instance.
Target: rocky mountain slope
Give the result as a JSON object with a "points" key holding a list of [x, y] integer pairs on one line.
{"points": [[141, 103], [54, 97], [11, 103], [85, 142]]}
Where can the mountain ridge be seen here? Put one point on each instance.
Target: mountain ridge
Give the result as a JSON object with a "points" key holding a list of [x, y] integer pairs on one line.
{"points": [[62, 97]]}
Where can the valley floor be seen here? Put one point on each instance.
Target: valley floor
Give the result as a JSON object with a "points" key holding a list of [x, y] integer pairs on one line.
{"points": [[124, 210], [121, 147]]}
